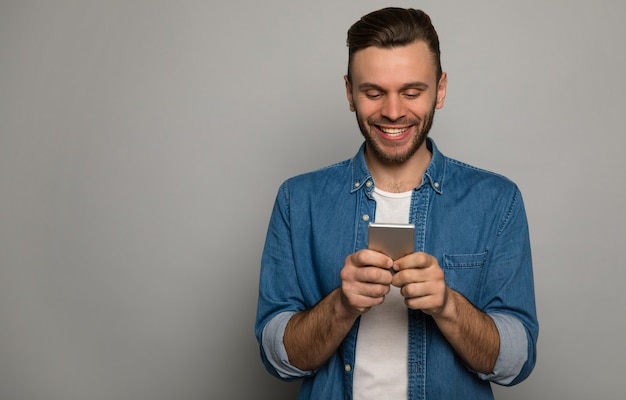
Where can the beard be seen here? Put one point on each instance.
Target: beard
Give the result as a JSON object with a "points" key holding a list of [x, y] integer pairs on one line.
{"points": [[423, 127]]}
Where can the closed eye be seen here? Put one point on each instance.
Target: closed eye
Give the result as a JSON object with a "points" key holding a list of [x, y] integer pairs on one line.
{"points": [[412, 94], [373, 94]]}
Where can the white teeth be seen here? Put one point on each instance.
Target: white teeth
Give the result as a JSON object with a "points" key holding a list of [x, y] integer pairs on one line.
{"points": [[393, 131]]}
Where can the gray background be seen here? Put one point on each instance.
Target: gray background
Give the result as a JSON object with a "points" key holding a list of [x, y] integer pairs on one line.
{"points": [[142, 143]]}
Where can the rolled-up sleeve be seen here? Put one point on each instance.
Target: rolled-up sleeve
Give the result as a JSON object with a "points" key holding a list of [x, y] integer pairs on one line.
{"points": [[274, 347], [513, 349]]}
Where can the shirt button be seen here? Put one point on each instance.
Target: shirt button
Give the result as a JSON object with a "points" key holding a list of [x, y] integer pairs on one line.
{"points": [[365, 217], [436, 184], [347, 367], [357, 184], [369, 184]]}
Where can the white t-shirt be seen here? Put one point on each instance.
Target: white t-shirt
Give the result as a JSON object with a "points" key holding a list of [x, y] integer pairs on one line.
{"points": [[381, 363]]}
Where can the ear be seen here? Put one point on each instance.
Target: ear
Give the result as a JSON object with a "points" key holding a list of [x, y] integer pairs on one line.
{"points": [[441, 90], [349, 93]]}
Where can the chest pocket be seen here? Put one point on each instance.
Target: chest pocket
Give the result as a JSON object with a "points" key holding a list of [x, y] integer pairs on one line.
{"points": [[463, 271]]}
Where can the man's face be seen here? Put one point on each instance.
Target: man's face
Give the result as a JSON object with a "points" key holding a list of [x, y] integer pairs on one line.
{"points": [[394, 93]]}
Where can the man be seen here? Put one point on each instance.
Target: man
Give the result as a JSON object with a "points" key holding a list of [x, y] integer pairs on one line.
{"points": [[440, 323]]}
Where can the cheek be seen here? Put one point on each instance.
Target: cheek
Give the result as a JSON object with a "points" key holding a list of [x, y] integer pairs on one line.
{"points": [[366, 109], [424, 109]]}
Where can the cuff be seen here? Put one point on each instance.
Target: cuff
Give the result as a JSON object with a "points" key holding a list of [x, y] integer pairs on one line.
{"points": [[513, 350], [274, 347]]}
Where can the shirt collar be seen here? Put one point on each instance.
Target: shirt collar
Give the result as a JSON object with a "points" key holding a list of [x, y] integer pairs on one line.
{"points": [[434, 175], [361, 177], [436, 171]]}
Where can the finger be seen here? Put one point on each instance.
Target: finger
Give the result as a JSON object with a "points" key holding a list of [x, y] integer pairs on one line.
{"points": [[422, 297], [362, 295], [370, 258], [357, 302], [366, 267], [428, 304], [374, 275], [418, 289], [431, 273], [414, 260], [407, 277]]}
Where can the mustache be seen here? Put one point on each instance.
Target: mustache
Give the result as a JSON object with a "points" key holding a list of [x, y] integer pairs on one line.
{"points": [[398, 122]]}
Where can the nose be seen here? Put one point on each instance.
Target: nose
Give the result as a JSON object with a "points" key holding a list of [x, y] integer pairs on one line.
{"points": [[393, 108]]}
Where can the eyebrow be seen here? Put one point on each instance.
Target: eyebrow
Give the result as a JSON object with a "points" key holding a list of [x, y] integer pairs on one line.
{"points": [[412, 85]]}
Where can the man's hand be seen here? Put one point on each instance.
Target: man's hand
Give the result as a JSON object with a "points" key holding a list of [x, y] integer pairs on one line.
{"points": [[421, 282], [313, 336], [365, 280], [471, 332]]}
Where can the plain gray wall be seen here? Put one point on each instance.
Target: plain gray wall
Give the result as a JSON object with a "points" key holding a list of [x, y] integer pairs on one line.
{"points": [[142, 144]]}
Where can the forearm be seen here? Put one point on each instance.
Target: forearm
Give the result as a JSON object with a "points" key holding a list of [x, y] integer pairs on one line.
{"points": [[472, 333], [312, 336]]}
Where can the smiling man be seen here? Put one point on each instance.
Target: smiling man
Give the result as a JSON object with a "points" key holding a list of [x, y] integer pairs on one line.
{"points": [[442, 322]]}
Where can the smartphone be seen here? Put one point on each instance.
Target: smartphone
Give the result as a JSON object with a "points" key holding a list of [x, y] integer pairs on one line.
{"points": [[394, 240]]}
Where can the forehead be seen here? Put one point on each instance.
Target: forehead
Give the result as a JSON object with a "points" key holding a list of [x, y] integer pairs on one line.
{"points": [[397, 65]]}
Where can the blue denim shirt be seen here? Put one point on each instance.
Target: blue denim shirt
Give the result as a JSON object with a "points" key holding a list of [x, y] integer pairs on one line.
{"points": [[471, 220]]}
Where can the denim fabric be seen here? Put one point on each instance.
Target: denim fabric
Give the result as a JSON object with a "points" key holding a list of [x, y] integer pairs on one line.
{"points": [[471, 220]]}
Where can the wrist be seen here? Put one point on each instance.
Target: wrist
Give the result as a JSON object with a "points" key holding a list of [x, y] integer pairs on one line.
{"points": [[449, 307], [343, 309]]}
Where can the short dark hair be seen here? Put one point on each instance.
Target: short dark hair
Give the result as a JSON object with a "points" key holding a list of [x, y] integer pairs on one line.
{"points": [[393, 27]]}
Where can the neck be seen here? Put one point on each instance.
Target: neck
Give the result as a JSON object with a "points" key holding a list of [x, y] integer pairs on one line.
{"points": [[398, 178]]}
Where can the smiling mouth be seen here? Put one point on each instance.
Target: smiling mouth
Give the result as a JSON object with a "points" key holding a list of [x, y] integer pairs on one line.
{"points": [[393, 131]]}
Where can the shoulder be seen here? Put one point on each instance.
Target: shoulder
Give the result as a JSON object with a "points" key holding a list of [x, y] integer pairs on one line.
{"points": [[482, 193], [465, 174], [312, 190], [457, 176], [337, 173]]}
